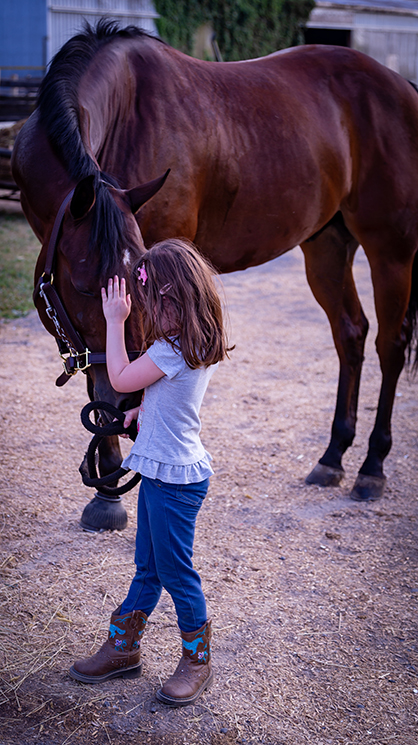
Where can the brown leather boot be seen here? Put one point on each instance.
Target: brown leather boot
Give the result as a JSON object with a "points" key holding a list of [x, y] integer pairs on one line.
{"points": [[194, 671], [119, 656]]}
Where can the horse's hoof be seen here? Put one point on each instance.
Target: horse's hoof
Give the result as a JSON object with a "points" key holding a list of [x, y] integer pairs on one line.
{"points": [[325, 476], [104, 513], [368, 488]]}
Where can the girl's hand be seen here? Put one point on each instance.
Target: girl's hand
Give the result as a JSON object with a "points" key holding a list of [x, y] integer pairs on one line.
{"points": [[130, 415], [116, 303]]}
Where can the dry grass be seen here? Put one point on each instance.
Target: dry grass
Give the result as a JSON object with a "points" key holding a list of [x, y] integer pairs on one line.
{"points": [[313, 596]]}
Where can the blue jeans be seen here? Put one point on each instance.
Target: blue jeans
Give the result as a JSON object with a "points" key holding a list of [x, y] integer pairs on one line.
{"points": [[164, 549]]}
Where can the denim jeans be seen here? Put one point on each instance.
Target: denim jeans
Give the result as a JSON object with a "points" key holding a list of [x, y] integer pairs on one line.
{"points": [[164, 549]]}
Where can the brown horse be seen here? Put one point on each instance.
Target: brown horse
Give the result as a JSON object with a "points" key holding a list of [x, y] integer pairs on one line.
{"points": [[315, 145]]}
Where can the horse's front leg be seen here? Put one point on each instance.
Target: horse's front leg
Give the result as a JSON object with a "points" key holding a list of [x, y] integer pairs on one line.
{"points": [[110, 456], [328, 262], [104, 512]]}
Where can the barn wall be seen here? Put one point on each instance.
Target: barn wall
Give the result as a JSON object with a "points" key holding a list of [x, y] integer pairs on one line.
{"points": [[65, 17], [392, 40], [389, 37]]}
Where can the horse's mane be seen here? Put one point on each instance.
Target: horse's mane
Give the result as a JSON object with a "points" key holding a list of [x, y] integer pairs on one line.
{"points": [[58, 112]]}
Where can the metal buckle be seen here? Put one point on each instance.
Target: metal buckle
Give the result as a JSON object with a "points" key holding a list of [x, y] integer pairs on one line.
{"points": [[75, 362], [87, 364], [68, 363]]}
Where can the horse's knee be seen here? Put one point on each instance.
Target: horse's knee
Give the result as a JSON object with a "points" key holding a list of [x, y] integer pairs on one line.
{"points": [[352, 340]]}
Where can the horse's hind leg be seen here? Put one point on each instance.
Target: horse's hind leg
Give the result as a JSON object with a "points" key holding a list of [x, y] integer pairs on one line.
{"points": [[328, 261], [392, 286]]}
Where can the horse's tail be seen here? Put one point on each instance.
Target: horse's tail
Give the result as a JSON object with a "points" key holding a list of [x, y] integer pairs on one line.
{"points": [[412, 312], [412, 316]]}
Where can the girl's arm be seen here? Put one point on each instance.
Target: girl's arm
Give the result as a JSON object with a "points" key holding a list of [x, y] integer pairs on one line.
{"points": [[124, 376]]}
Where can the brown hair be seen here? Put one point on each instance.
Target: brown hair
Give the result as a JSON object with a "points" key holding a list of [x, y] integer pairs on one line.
{"points": [[180, 287]]}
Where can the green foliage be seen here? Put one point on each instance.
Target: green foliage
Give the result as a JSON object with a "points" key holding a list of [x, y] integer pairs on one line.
{"points": [[244, 28], [178, 21], [19, 250]]}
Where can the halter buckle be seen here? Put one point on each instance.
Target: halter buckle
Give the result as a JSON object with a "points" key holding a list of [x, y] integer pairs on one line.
{"points": [[75, 362]]}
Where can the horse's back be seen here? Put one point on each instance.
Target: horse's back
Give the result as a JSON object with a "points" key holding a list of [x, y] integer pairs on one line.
{"points": [[288, 139]]}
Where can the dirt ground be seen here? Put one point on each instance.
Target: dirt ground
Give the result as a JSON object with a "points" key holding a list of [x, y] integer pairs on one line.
{"points": [[313, 596]]}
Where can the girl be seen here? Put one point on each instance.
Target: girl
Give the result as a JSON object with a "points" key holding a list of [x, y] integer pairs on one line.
{"points": [[185, 339]]}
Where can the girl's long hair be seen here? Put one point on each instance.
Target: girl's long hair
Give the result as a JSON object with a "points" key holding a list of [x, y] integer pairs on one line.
{"points": [[179, 286]]}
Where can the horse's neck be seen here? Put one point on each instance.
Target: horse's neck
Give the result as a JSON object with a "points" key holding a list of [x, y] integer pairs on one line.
{"points": [[42, 196]]}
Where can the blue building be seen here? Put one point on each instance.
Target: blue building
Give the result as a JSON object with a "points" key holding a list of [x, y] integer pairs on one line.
{"points": [[31, 31]]}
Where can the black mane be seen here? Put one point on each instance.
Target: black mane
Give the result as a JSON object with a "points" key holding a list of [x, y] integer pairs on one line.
{"points": [[58, 112]]}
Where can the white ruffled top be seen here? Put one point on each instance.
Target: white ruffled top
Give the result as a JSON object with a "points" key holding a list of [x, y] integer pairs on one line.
{"points": [[168, 445], [170, 474]]}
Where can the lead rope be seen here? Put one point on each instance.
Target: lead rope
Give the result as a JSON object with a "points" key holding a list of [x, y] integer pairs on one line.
{"points": [[88, 468]]}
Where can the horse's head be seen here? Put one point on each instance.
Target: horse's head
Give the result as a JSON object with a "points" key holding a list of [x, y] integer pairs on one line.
{"points": [[99, 237]]}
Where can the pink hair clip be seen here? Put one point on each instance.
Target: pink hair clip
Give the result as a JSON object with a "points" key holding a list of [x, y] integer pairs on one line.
{"points": [[142, 274], [165, 289]]}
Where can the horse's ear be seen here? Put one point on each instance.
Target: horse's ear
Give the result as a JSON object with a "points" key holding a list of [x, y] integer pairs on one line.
{"points": [[83, 198], [141, 194]]}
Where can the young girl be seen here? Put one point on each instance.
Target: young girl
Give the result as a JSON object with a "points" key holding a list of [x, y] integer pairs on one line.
{"points": [[185, 339]]}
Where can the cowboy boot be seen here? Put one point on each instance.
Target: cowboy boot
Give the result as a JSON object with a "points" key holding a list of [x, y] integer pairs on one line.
{"points": [[119, 656], [194, 671]]}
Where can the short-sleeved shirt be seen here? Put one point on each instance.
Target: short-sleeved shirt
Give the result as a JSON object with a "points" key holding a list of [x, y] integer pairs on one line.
{"points": [[168, 445]]}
